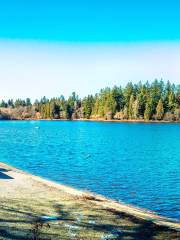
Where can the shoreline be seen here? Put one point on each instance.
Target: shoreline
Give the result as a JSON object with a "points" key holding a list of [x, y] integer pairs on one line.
{"points": [[93, 120], [101, 201]]}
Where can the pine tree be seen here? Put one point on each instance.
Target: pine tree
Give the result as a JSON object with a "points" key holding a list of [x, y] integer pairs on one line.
{"points": [[135, 109], [155, 98], [88, 104], [125, 113], [130, 108], [148, 110], [160, 110], [171, 102]]}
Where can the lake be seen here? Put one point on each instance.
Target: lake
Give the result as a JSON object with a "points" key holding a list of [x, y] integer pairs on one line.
{"points": [[136, 163]]}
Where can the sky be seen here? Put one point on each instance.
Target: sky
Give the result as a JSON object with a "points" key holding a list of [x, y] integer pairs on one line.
{"points": [[52, 47]]}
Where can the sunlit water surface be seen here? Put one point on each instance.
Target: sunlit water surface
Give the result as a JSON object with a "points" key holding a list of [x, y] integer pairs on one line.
{"points": [[132, 162]]}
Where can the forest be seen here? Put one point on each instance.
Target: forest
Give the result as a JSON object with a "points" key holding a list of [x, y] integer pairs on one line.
{"points": [[142, 101]]}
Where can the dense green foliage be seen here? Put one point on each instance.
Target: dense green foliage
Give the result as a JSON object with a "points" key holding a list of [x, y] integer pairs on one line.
{"points": [[155, 101]]}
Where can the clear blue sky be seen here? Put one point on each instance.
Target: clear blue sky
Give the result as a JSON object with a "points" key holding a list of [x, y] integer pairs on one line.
{"points": [[90, 20], [53, 47]]}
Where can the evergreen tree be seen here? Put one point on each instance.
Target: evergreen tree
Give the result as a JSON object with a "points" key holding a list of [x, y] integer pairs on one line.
{"points": [[125, 113], [88, 104], [160, 110], [118, 97], [135, 109], [148, 110], [3, 104], [55, 110], [142, 96], [128, 92], [130, 107], [10, 103], [135, 101], [28, 102]]}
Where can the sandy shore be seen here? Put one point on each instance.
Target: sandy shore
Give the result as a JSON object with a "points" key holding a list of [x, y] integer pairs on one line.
{"points": [[70, 213]]}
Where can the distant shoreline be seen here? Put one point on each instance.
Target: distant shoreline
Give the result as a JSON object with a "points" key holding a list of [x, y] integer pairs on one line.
{"points": [[93, 120]]}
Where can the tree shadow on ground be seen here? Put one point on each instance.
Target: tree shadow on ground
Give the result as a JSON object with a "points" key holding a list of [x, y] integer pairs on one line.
{"points": [[138, 230], [3, 175]]}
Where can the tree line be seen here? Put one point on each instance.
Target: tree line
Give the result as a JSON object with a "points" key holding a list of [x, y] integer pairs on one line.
{"points": [[143, 101]]}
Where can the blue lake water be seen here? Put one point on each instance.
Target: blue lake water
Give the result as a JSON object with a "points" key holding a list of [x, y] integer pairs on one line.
{"points": [[135, 163]]}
